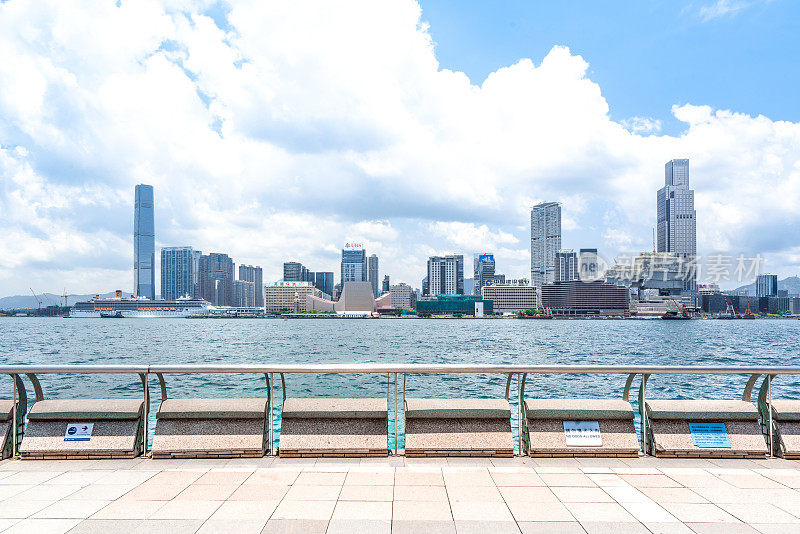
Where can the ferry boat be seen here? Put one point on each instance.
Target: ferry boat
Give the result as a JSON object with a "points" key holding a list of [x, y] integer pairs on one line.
{"points": [[140, 307]]}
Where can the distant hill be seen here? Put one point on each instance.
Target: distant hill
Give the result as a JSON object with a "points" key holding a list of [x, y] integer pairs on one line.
{"points": [[23, 302], [792, 284]]}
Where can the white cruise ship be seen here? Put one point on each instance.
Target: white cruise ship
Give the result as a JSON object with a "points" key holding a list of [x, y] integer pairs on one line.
{"points": [[140, 307]]}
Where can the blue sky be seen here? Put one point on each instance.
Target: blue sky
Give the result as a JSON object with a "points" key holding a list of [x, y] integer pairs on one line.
{"points": [[646, 55], [277, 131]]}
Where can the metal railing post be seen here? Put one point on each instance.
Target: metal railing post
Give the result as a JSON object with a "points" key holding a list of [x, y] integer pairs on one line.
{"points": [[519, 412], [769, 408], [146, 422], [271, 414], [395, 414], [14, 420]]}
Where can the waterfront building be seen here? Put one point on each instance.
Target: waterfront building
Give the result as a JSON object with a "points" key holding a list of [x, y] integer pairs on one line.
{"points": [[244, 294], [576, 297], [566, 266], [216, 279], [588, 264], [403, 297], [385, 284], [483, 271], [180, 270], [354, 263], [296, 272], [662, 272], [254, 274], [144, 243], [545, 241], [677, 219], [290, 296], [426, 290], [767, 285], [511, 296], [323, 280], [456, 304], [372, 273], [446, 275]]}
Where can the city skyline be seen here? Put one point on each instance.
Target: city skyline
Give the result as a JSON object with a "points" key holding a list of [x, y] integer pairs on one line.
{"points": [[265, 173]]}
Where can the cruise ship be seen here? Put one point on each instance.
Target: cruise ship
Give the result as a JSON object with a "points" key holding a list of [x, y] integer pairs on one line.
{"points": [[119, 307]]}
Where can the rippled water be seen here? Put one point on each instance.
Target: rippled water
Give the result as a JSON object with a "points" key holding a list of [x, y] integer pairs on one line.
{"points": [[174, 341]]}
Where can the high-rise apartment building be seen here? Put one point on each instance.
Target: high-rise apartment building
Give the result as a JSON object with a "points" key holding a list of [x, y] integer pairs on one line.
{"points": [[254, 274], [372, 273], [180, 270], [483, 271], [677, 219], [545, 241], [297, 272], [386, 284], [767, 285], [244, 293], [402, 297], [144, 243], [446, 275], [324, 282], [216, 279], [566, 266], [354, 263], [588, 264]]}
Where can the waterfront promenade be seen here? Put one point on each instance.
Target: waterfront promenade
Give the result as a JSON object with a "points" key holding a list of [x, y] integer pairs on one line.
{"points": [[398, 494]]}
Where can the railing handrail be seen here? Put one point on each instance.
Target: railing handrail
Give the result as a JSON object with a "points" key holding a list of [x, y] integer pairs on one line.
{"points": [[398, 368]]}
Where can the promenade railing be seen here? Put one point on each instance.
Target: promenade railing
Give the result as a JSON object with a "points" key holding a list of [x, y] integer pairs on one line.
{"points": [[395, 372]]}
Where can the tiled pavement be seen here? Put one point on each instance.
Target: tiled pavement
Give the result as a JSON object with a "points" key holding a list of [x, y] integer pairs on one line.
{"points": [[400, 495]]}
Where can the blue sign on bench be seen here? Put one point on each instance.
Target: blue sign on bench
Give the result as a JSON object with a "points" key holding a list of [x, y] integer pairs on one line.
{"points": [[710, 435]]}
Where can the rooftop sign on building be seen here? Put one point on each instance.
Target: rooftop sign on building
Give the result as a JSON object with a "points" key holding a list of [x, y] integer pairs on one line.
{"points": [[353, 246], [289, 284]]}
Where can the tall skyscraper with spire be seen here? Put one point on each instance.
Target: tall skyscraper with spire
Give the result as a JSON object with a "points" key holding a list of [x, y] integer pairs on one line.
{"points": [[677, 219], [144, 243]]}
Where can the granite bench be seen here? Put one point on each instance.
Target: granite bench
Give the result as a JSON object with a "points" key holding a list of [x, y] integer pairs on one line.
{"points": [[102, 428], [313, 427], [211, 428], [458, 427], [579, 428], [786, 427], [704, 429]]}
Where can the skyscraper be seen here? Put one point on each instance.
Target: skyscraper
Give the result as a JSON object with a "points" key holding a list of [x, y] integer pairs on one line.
{"points": [[323, 280], [545, 241], [253, 273], [446, 275], [767, 285], [483, 271], [566, 266], [354, 263], [216, 279], [144, 243], [179, 272], [372, 273], [386, 285], [677, 219]]}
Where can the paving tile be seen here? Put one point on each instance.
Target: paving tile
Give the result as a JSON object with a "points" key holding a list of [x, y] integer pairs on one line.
{"points": [[420, 493], [251, 510], [759, 512], [175, 477], [362, 510], [528, 494], [599, 512], [99, 492], [370, 493], [421, 511], [313, 493], [626, 494], [80, 478], [673, 495], [481, 527], [517, 479], [7, 492], [129, 509], [418, 479], [43, 526], [698, 513], [668, 528], [649, 511], [321, 479], [29, 477], [44, 492], [257, 492], [474, 493], [15, 508], [571, 527], [567, 479], [567, 494], [224, 477], [232, 526], [480, 511], [356, 478], [750, 481], [771, 528], [318, 510], [428, 527], [650, 481], [359, 526], [721, 528], [173, 526], [281, 477], [471, 478], [206, 492], [125, 477], [186, 510], [7, 523], [606, 479], [295, 526], [106, 526], [155, 492], [540, 512], [613, 527], [71, 509]]}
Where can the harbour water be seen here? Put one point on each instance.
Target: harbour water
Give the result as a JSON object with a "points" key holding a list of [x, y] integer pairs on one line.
{"points": [[608, 342]]}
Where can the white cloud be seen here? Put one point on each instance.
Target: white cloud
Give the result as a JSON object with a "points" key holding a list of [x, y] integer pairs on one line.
{"points": [[722, 8], [298, 127]]}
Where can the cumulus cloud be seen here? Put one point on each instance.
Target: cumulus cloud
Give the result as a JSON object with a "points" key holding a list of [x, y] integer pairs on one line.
{"points": [[278, 131]]}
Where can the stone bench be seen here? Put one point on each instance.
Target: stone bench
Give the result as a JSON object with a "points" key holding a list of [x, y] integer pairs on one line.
{"points": [[211, 428], [545, 431], [458, 427], [786, 427], [669, 433], [334, 427], [117, 429]]}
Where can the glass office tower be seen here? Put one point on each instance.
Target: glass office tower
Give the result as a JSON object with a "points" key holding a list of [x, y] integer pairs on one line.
{"points": [[144, 243]]}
